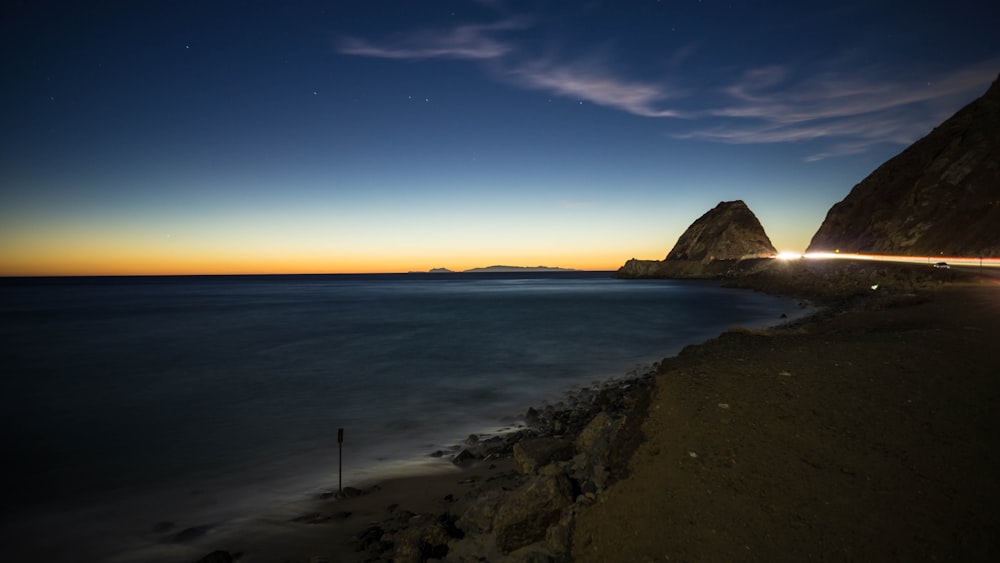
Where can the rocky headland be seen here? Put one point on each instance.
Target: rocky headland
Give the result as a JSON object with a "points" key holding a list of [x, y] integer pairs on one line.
{"points": [[725, 240]]}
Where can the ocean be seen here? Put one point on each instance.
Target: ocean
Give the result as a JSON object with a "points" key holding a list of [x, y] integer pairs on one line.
{"points": [[128, 403]]}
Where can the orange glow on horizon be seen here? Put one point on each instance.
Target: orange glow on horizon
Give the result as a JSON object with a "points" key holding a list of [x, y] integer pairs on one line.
{"points": [[126, 263], [89, 249], [128, 260]]}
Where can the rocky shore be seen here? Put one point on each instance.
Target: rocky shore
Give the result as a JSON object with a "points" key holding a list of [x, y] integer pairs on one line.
{"points": [[512, 497], [788, 444], [564, 457]]}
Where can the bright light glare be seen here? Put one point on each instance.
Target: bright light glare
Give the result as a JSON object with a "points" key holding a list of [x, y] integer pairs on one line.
{"points": [[983, 262], [788, 256], [821, 255]]}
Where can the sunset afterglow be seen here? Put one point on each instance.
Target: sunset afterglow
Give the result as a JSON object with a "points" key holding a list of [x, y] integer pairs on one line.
{"points": [[190, 138]]}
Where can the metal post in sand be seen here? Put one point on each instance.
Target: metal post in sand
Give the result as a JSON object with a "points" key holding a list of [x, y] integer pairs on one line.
{"points": [[340, 468]]}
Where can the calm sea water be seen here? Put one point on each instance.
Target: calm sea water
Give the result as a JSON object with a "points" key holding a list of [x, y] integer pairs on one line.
{"points": [[128, 402]]}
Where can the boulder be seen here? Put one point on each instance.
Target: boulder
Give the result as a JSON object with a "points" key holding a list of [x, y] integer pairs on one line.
{"points": [[425, 537], [559, 536], [593, 446], [371, 539], [497, 446], [528, 511], [532, 453], [595, 439], [531, 416], [480, 512], [464, 458]]}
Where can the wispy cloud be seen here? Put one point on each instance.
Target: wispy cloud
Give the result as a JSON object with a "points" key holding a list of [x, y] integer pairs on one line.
{"points": [[585, 81], [898, 129], [831, 95], [848, 106], [596, 86], [840, 149], [850, 135], [472, 41], [854, 110]]}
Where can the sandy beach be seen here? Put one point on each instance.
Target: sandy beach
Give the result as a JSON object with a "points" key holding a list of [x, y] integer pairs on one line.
{"points": [[869, 436], [867, 433]]}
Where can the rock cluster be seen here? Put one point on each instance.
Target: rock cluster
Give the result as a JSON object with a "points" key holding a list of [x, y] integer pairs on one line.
{"points": [[725, 240], [940, 196], [566, 455]]}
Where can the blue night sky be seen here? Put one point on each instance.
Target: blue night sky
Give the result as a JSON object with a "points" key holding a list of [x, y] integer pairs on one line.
{"points": [[141, 137]]}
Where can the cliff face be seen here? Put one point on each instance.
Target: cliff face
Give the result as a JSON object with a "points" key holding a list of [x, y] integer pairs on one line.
{"points": [[940, 196], [719, 243]]}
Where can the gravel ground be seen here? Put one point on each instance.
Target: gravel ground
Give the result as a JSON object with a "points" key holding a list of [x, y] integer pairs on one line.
{"points": [[869, 435]]}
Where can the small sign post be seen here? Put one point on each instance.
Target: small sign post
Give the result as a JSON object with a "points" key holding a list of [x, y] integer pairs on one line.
{"points": [[340, 469]]}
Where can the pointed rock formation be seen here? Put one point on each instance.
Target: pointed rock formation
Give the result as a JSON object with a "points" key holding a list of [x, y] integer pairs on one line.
{"points": [[730, 231], [713, 246], [940, 196]]}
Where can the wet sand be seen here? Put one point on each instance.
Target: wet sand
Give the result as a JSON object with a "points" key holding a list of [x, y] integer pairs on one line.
{"points": [[333, 534]]}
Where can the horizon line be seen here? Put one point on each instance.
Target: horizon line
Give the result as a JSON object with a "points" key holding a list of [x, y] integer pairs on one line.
{"points": [[526, 269]]}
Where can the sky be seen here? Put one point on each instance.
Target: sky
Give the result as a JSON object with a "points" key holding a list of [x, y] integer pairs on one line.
{"points": [[141, 137]]}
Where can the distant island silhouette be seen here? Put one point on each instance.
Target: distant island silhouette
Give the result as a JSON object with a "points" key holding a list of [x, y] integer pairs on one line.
{"points": [[492, 269]]}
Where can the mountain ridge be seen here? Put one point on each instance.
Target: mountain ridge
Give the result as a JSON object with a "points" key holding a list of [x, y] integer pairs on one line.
{"points": [[939, 196]]}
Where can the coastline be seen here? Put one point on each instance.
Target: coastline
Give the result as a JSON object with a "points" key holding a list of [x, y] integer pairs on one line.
{"points": [[562, 343], [866, 435], [444, 514]]}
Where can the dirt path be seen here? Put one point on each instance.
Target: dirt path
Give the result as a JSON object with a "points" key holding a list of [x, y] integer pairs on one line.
{"points": [[868, 437]]}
